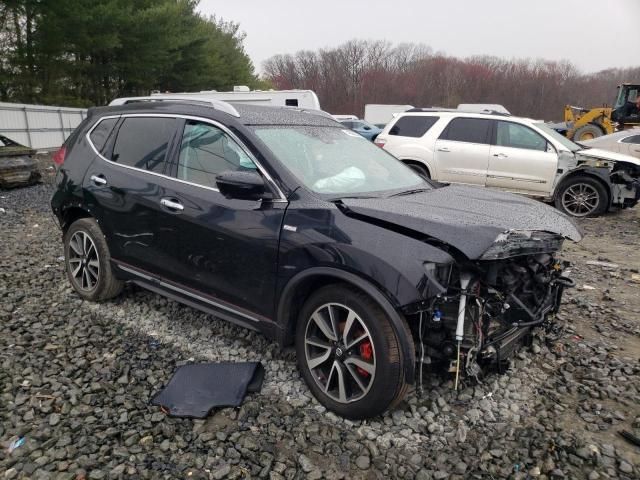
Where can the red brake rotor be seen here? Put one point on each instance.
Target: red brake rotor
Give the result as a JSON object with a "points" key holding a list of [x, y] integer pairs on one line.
{"points": [[366, 352]]}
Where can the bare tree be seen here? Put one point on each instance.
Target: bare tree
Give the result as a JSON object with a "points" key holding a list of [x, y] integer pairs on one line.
{"points": [[364, 71]]}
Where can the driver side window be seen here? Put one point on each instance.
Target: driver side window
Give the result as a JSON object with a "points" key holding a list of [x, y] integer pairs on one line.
{"points": [[206, 151], [514, 135]]}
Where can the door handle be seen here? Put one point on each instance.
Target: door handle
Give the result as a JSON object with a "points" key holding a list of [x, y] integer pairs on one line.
{"points": [[172, 204], [443, 149], [98, 180], [500, 155]]}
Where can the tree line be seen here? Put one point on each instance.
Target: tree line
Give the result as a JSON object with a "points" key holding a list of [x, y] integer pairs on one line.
{"points": [[359, 72], [86, 52]]}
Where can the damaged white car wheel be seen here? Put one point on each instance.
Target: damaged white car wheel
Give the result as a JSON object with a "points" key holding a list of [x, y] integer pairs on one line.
{"points": [[582, 196]]}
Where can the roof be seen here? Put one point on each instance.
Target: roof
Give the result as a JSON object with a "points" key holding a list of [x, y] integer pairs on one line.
{"points": [[246, 114], [267, 115]]}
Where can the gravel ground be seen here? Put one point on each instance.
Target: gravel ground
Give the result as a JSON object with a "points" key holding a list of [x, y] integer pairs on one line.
{"points": [[76, 379]]}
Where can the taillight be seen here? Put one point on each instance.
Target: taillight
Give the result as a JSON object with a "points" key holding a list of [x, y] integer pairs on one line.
{"points": [[58, 157], [380, 142]]}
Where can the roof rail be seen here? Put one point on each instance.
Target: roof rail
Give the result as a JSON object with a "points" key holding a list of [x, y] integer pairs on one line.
{"points": [[217, 104], [439, 109]]}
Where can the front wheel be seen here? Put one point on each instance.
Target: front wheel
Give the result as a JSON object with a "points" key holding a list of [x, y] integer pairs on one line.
{"points": [[348, 353], [587, 132], [582, 196]]}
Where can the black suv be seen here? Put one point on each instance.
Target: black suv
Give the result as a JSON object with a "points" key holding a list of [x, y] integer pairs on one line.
{"points": [[281, 220]]}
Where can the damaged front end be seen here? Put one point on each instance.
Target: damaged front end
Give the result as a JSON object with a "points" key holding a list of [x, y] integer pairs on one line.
{"points": [[625, 186], [620, 172], [486, 308]]}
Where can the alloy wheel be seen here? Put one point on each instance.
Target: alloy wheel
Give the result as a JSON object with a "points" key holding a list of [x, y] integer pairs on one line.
{"points": [[580, 199], [84, 263], [340, 353]]}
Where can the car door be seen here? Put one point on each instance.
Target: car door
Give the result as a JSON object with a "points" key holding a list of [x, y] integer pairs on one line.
{"points": [[461, 152], [124, 185], [630, 145], [521, 160], [225, 249]]}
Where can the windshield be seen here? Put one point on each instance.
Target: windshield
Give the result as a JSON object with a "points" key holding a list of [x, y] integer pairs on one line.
{"points": [[574, 147], [338, 162]]}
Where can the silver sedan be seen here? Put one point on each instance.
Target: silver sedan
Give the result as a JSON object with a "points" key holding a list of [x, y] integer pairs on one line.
{"points": [[627, 142]]}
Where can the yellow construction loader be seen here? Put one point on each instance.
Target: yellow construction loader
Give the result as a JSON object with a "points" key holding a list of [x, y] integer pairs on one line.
{"points": [[584, 124]]}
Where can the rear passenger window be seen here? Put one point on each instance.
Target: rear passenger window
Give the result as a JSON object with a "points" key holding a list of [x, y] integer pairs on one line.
{"points": [[100, 134], [142, 143], [412, 126], [206, 151], [471, 130]]}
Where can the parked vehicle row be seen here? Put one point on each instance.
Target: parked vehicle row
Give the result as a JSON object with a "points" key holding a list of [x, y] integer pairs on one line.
{"points": [[297, 227], [513, 154]]}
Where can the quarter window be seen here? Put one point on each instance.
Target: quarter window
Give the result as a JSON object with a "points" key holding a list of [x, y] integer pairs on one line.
{"points": [[470, 130], [100, 134], [206, 151], [632, 139], [412, 126], [142, 142], [514, 135]]}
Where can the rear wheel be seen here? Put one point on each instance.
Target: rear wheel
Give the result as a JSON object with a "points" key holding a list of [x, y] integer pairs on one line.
{"points": [[582, 196], [88, 262], [348, 353], [587, 132]]}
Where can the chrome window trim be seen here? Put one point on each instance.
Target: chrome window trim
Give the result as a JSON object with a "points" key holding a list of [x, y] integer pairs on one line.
{"points": [[216, 124], [622, 140]]}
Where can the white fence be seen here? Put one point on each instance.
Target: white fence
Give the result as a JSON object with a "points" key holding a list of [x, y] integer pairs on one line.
{"points": [[39, 126]]}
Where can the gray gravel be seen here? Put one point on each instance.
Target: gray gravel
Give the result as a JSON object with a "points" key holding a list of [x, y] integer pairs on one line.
{"points": [[76, 379]]}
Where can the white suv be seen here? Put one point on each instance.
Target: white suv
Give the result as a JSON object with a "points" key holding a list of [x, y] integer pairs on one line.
{"points": [[514, 154]]}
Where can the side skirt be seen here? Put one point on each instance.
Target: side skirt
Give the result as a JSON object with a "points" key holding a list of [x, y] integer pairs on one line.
{"points": [[198, 300]]}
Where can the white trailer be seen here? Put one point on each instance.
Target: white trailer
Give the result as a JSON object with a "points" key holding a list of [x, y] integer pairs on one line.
{"points": [[380, 115], [242, 94]]}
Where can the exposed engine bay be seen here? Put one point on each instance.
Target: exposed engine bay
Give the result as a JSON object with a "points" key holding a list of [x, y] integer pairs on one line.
{"points": [[487, 311]]}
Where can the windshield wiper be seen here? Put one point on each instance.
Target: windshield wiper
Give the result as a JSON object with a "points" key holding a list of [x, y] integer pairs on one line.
{"points": [[342, 197], [409, 192]]}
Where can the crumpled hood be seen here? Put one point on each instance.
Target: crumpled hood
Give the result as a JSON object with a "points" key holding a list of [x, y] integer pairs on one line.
{"points": [[607, 155], [467, 218]]}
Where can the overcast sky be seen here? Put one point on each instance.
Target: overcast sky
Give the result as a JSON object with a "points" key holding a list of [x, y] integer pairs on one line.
{"points": [[593, 34]]}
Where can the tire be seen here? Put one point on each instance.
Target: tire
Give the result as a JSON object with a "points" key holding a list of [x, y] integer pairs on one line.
{"points": [[419, 169], [88, 261], [587, 132], [582, 188], [371, 366]]}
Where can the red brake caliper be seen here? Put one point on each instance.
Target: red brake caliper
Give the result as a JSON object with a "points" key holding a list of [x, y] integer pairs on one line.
{"points": [[366, 352]]}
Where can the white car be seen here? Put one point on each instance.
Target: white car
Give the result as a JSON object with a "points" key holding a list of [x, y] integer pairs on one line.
{"points": [[514, 154], [627, 142]]}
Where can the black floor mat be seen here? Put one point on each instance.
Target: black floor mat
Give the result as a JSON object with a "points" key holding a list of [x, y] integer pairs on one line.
{"points": [[195, 389]]}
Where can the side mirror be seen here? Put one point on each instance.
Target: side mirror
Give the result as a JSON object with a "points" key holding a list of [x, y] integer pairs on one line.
{"points": [[248, 185]]}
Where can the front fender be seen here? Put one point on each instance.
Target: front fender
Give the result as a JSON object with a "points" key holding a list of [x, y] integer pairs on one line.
{"points": [[602, 174]]}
